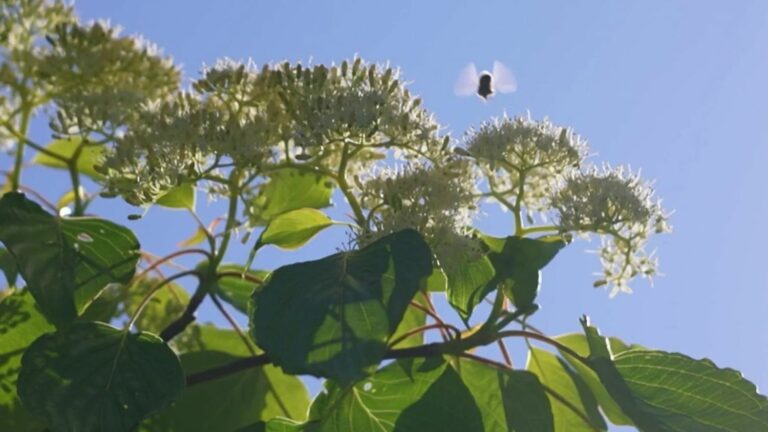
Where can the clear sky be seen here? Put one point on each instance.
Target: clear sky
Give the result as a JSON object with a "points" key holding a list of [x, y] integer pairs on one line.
{"points": [[678, 89]]}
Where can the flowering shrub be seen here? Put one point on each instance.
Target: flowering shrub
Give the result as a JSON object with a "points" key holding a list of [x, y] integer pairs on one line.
{"points": [[95, 334]]}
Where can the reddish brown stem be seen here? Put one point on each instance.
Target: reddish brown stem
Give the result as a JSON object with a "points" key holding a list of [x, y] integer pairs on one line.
{"points": [[424, 328]]}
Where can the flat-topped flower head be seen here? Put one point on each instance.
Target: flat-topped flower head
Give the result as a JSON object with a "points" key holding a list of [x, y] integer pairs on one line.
{"points": [[99, 79], [525, 158], [438, 201], [621, 207]]}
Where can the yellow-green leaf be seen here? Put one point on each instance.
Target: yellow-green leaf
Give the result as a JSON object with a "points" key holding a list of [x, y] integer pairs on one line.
{"points": [[90, 156], [180, 197], [293, 229]]}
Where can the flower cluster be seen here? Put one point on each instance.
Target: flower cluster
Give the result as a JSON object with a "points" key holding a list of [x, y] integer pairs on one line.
{"points": [[336, 119], [160, 151], [525, 159], [99, 79], [437, 201], [360, 105], [618, 205], [23, 26]]}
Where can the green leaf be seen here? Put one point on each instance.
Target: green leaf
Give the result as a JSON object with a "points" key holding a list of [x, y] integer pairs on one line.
{"points": [[518, 266], [92, 376], [276, 425], [234, 401], [468, 285], [90, 156], [437, 281], [578, 343], [332, 317], [183, 196], [292, 229], [555, 373], [20, 323], [509, 400], [407, 395], [290, 189], [412, 319], [237, 291], [671, 392], [8, 267], [66, 262]]}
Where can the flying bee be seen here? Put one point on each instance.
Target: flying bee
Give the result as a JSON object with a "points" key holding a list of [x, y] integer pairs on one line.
{"points": [[485, 84]]}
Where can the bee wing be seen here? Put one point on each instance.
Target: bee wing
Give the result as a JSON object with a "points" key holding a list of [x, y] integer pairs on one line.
{"points": [[503, 79], [466, 84]]}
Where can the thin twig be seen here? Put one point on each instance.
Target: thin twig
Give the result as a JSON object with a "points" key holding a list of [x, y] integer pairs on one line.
{"points": [[232, 323], [169, 257], [421, 329]]}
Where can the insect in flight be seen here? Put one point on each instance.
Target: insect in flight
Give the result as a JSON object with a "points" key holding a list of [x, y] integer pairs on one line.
{"points": [[485, 84]]}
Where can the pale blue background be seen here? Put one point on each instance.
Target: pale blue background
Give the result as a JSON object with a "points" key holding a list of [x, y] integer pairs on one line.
{"points": [[677, 88]]}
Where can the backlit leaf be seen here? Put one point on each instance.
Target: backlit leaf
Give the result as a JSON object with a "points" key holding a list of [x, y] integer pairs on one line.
{"points": [[92, 376], [66, 262], [349, 303], [183, 196], [290, 189], [233, 401], [90, 156], [20, 324]]}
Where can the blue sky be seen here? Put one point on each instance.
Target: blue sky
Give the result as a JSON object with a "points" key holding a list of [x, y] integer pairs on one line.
{"points": [[677, 89]]}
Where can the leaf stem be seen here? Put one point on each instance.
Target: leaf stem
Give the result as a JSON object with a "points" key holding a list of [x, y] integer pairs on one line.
{"points": [[209, 277], [24, 126], [417, 330], [341, 178], [537, 229], [232, 323]]}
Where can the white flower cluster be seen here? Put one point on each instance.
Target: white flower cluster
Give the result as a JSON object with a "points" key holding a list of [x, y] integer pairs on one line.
{"points": [[525, 159], [363, 107], [160, 151], [23, 26], [619, 206], [98, 79], [438, 201], [245, 117]]}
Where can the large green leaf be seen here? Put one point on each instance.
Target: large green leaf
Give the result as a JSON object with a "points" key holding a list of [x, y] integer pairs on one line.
{"points": [[509, 400], [8, 267], [290, 189], [293, 229], [183, 196], [332, 317], [555, 373], [468, 285], [66, 262], [92, 376], [670, 392], [578, 343], [20, 324], [518, 265], [406, 396], [234, 401], [238, 291], [413, 318], [119, 302], [90, 156]]}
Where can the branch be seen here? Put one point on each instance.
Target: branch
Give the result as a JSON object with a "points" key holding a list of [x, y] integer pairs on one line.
{"points": [[186, 318], [452, 347]]}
